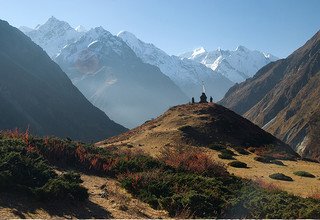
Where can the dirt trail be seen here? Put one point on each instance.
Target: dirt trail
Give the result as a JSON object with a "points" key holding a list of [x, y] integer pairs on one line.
{"points": [[110, 195]]}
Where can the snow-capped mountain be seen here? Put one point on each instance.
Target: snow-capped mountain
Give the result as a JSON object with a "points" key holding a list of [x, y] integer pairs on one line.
{"points": [[53, 35], [114, 79], [186, 73], [237, 65], [80, 29]]}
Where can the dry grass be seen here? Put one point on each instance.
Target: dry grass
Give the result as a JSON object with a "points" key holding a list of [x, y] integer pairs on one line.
{"points": [[156, 135], [260, 172]]}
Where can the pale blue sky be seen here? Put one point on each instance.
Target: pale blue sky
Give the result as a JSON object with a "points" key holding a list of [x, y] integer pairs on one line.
{"points": [[176, 26]]}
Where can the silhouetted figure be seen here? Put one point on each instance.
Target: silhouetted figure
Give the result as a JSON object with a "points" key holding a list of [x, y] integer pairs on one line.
{"points": [[211, 99], [192, 100], [203, 98]]}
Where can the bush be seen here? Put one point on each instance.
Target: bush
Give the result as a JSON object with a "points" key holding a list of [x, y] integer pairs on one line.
{"points": [[228, 151], [217, 147], [242, 151], [280, 176], [238, 164], [65, 187], [262, 159], [226, 156], [254, 202], [23, 169], [268, 159], [278, 162], [202, 196], [304, 174], [137, 163]]}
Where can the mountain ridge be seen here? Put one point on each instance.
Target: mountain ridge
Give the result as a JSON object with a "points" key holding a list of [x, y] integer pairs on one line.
{"points": [[187, 74], [237, 65], [282, 97]]}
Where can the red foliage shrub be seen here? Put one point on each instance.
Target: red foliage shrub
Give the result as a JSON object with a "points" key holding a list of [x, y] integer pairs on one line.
{"points": [[193, 161], [265, 185]]}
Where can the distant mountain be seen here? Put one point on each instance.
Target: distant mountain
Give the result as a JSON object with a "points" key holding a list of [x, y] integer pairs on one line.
{"points": [[283, 98], [25, 29], [187, 74], [80, 29], [53, 35], [237, 65], [114, 79], [35, 92]]}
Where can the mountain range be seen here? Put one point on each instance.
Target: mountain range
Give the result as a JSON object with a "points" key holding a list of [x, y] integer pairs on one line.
{"points": [[187, 74], [283, 98], [36, 94], [218, 70], [236, 65]]}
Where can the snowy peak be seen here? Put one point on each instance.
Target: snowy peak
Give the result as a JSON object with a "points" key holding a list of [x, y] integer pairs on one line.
{"points": [[198, 51], [54, 35], [94, 43], [127, 35], [237, 65], [98, 32], [145, 51], [241, 48], [54, 24], [80, 29]]}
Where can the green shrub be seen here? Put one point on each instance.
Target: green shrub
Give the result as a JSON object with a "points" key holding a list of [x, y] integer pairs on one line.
{"points": [[228, 151], [254, 202], [226, 156], [268, 159], [65, 187], [304, 174], [242, 151], [238, 164], [278, 162], [137, 163], [217, 147], [23, 169], [262, 159], [280, 176], [176, 192]]}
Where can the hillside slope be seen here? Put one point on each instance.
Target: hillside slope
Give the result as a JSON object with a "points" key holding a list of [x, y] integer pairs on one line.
{"points": [[283, 98], [35, 92], [200, 125]]}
